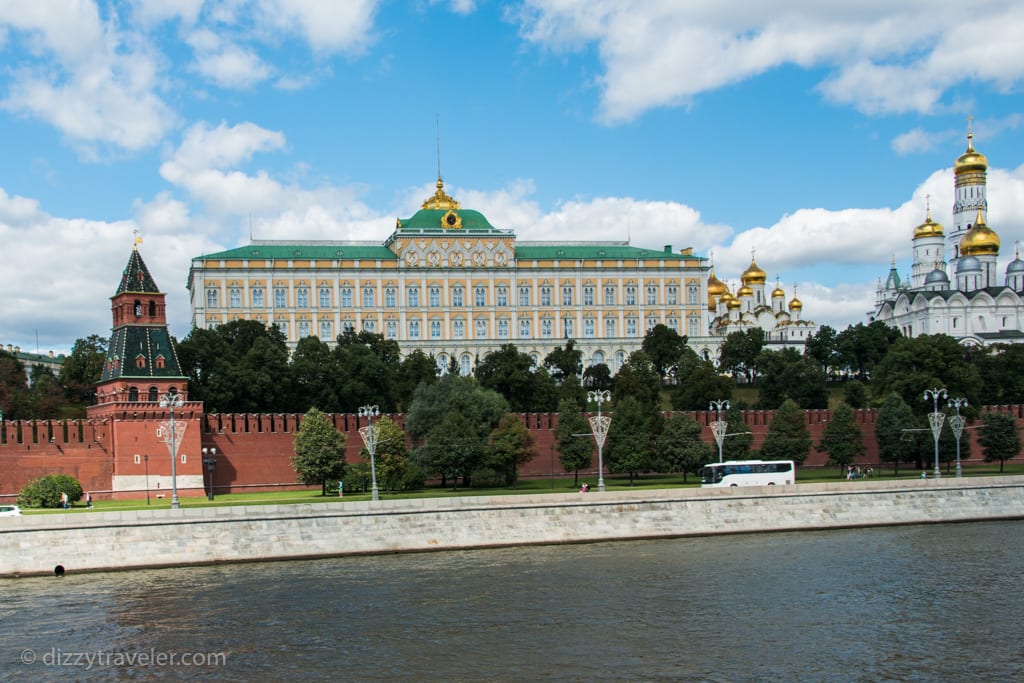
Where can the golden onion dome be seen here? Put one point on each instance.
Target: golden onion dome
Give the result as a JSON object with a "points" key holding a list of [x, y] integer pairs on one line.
{"points": [[753, 275], [970, 160], [778, 293], [795, 304], [715, 286], [929, 228], [980, 239], [733, 304], [744, 291]]}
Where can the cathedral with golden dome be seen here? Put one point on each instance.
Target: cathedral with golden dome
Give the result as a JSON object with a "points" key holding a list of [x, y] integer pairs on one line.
{"points": [[752, 307], [962, 296]]}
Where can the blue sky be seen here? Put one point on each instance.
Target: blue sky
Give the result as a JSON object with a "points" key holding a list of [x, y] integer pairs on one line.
{"points": [[808, 131]]}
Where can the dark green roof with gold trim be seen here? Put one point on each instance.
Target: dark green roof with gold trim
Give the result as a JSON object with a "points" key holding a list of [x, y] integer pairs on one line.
{"points": [[432, 221], [141, 351], [136, 277]]}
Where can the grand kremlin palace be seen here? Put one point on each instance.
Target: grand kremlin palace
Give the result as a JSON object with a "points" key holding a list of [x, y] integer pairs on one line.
{"points": [[449, 283]]}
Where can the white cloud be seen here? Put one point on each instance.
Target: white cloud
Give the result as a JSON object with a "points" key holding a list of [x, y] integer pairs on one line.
{"points": [[916, 141], [151, 12], [327, 26], [94, 83], [225, 63], [882, 57]]}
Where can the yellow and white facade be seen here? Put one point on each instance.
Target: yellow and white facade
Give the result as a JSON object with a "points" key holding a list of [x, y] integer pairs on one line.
{"points": [[450, 284]]}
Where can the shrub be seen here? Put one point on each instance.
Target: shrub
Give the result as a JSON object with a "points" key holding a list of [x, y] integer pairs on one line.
{"points": [[45, 491]]}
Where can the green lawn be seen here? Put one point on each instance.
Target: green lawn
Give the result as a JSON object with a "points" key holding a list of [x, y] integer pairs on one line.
{"points": [[528, 486]]}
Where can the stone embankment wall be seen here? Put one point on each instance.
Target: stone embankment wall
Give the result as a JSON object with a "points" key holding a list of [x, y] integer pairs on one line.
{"points": [[36, 544]]}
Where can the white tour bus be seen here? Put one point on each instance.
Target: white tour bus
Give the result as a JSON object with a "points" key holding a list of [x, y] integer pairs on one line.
{"points": [[748, 473]]}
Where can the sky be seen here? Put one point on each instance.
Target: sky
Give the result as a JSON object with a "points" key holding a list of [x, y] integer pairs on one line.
{"points": [[810, 134]]}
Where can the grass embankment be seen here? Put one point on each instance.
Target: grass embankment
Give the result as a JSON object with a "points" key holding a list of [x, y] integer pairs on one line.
{"points": [[524, 487]]}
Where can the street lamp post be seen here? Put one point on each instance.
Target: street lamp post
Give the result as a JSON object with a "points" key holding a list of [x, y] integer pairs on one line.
{"points": [[956, 423], [719, 426], [935, 420], [145, 459], [173, 400], [370, 439], [210, 460], [599, 426]]}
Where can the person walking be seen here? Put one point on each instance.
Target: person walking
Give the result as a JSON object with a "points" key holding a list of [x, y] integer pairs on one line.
{"points": [[64, 499]]}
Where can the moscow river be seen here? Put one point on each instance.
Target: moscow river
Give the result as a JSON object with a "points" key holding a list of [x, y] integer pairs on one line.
{"points": [[917, 603]]}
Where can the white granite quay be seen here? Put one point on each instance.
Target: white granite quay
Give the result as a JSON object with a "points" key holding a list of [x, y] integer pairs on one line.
{"points": [[36, 544]]}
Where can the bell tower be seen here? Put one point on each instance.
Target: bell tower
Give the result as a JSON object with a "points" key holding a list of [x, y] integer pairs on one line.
{"points": [[140, 373]]}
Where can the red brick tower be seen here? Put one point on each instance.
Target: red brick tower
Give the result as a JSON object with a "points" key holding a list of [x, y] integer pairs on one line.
{"points": [[141, 381]]}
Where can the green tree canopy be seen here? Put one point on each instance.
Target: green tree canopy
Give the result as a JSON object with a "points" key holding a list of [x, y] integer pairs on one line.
{"points": [[575, 451], [82, 369], [999, 438], [913, 365], [319, 451], [861, 347], [842, 437], [822, 347], [509, 372], [786, 374], [565, 361], [738, 352], [639, 379], [698, 383], [895, 443], [509, 447], [663, 346], [680, 447], [628, 445], [788, 437], [14, 401]]}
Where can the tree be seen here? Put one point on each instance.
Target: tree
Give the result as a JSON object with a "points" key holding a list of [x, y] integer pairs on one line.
{"points": [[822, 348], [319, 451], [698, 383], [314, 373], [367, 367], [738, 353], [417, 368], [509, 372], [786, 374], [895, 443], [788, 437], [45, 491], [14, 401], [240, 366], [563, 362], [575, 451], [738, 437], [842, 438], [1001, 367], [932, 360], [44, 395], [639, 379], [83, 368], [680, 447], [597, 377], [860, 347], [663, 346], [855, 395], [628, 446], [999, 438], [510, 446], [450, 421]]}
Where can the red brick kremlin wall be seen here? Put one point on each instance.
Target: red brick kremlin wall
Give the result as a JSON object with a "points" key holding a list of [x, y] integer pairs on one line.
{"points": [[254, 450]]}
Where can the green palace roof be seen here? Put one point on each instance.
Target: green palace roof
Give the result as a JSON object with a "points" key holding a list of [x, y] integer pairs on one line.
{"points": [[283, 251], [597, 251], [432, 221]]}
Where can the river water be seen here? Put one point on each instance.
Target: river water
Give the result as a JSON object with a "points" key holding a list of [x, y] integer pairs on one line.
{"points": [[918, 603]]}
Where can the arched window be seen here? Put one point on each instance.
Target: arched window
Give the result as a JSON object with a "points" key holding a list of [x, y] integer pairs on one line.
{"points": [[133, 395], [140, 361], [154, 395], [138, 308], [465, 367], [152, 309]]}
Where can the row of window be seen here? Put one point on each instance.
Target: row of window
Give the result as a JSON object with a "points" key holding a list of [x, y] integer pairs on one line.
{"points": [[466, 362], [412, 296], [433, 328]]}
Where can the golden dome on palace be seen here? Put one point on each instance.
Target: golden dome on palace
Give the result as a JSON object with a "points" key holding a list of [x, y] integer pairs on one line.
{"points": [[753, 275], [970, 160], [715, 286], [929, 228], [980, 239]]}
